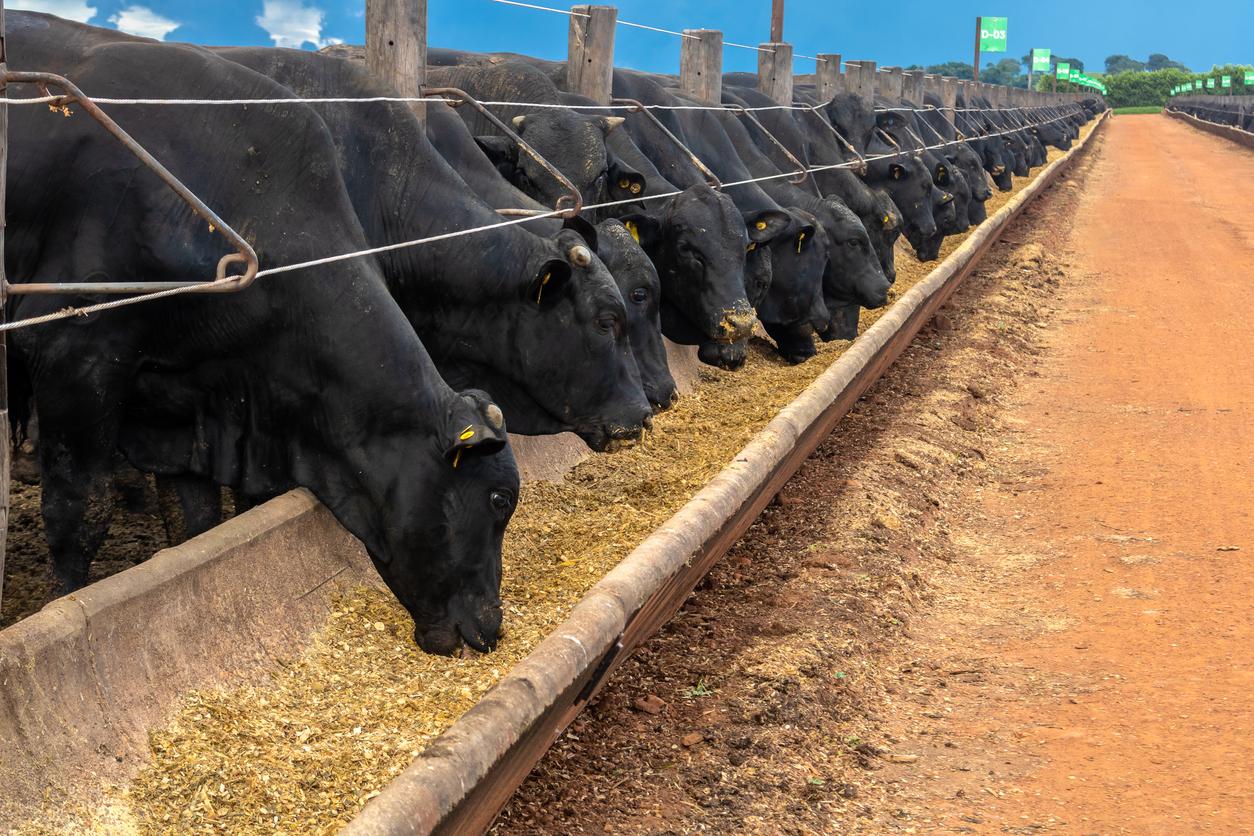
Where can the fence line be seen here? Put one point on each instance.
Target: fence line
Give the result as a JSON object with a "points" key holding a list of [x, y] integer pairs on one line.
{"points": [[70, 312]]}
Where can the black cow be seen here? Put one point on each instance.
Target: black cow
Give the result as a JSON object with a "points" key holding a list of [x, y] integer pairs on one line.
{"points": [[315, 379], [688, 236], [538, 322], [634, 274]]}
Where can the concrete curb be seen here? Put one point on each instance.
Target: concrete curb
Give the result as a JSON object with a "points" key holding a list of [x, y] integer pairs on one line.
{"points": [[1226, 131], [460, 782]]}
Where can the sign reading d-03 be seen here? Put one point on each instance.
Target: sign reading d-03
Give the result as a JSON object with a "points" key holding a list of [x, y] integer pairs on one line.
{"points": [[993, 34]]}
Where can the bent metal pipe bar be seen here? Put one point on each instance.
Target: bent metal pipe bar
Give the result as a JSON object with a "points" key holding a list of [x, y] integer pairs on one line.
{"points": [[221, 283]]}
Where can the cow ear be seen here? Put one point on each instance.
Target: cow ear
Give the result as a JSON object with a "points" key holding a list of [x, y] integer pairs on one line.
{"points": [[550, 282], [764, 226], [586, 230], [609, 123], [644, 228], [805, 236], [473, 425], [624, 182], [896, 171], [942, 175], [500, 150]]}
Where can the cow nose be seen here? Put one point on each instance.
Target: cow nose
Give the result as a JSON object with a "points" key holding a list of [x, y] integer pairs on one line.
{"points": [[737, 325]]}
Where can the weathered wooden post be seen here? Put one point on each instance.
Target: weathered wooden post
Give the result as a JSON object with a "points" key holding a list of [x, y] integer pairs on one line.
{"points": [[396, 45], [777, 21], [860, 78], [5, 448], [944, 88], [701, 64], [775, 72], [890, 82], [827, 77], [590, 52], [915, 81]]}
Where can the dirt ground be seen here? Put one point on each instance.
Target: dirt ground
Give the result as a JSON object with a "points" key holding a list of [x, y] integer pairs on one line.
{"points": [[1012, 592]]}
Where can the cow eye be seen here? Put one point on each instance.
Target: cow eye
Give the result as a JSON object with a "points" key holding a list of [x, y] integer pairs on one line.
{"points": [[608, 323], [501, 501], [640, 295]]}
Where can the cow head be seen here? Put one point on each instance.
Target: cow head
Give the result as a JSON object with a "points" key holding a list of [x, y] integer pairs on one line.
{"points": [[435, 531], [569, 306], [792, 309], [854, 273], [574, 143], [641, 290], [907, 180], [698, 242]]}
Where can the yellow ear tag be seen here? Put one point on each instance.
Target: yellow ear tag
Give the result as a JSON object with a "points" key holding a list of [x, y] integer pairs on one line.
{"points": [[800, 239], [636, 188], [752, 247], [624, 184], [211, 229], [633, 229], [467, 434], [543, 282], [457, 458], [760, 225]]}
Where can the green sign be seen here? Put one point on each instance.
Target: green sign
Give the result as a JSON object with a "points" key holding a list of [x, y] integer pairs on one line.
{"points": [[1197, 85], [1226, 81], [1064, 69], [993, 34], [1210, 84], [1249, 78], [1040, 60]]}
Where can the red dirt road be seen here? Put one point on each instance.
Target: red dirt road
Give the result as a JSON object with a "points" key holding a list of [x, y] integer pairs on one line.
{"points": [[1141, 429]]}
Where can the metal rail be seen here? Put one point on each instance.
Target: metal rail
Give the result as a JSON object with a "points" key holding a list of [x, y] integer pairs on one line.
{"points": [[457, 97], [640, 107], [221, 283]]}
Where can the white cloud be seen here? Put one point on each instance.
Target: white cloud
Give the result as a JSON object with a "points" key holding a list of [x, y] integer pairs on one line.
{"points": [[68, 9], [293, 24], [143, 21]]}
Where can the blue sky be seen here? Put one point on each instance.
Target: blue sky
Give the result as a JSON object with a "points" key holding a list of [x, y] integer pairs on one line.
{"points": [[894, 33]]}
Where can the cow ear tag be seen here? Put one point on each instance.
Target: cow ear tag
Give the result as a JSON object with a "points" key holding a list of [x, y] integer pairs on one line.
{"points": [[543, 282], [633, 229], [624, 184], [800, 240], [888, 221], [760, 225], [466, 434], [752, 247], [457, 458]]}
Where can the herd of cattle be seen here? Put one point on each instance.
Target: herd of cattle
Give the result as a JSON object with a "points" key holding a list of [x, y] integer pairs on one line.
{"points": [[367, 380], [1236, 114]]}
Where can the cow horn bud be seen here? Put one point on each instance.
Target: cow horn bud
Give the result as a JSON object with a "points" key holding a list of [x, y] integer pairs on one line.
{"points": [[612, 122], [580, 256], [518, 120], [495, 417]]}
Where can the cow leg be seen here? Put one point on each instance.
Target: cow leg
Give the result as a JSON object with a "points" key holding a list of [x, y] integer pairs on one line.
{"points": [[190, 505], [78, 498]]}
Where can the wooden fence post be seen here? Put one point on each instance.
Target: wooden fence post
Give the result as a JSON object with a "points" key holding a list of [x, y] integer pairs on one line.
{"points": [[701, 65], [860, 79], [590, 52], [396, 45], [827, 76], [890, 82], [775, 72], [5, 447], [913, 89]]}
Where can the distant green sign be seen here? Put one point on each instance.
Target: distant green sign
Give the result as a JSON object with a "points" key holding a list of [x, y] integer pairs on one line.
{"points": [[993, 34], [1064, 69], [1040, 60], [1249, 78], [1226, 81], [1197, 85], [1210, 84]]}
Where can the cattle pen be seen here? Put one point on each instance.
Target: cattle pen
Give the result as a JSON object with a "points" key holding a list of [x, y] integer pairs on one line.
{"points": [[93, 681]]}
